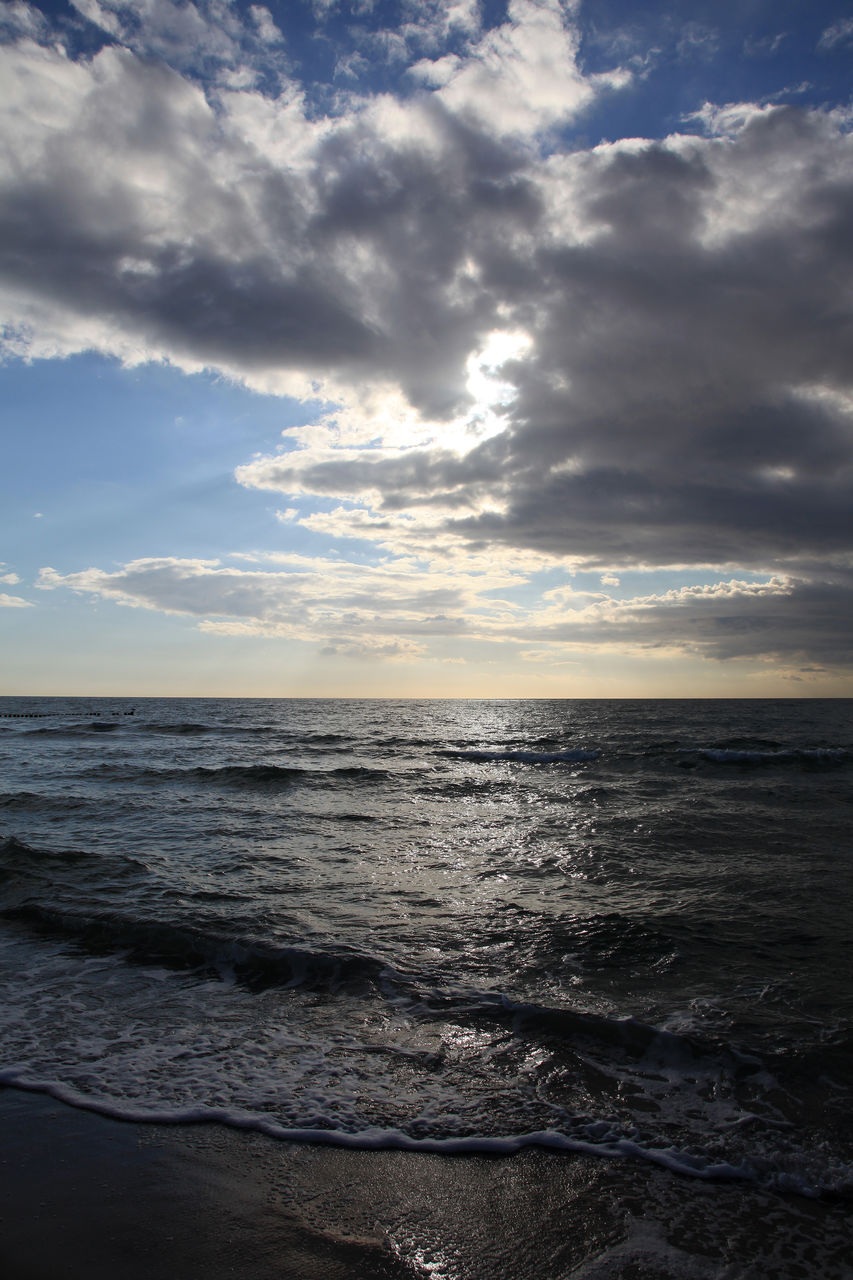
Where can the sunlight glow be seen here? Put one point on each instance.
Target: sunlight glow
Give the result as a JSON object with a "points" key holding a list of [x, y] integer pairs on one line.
{"points": [[485, 367], [491, 390]]}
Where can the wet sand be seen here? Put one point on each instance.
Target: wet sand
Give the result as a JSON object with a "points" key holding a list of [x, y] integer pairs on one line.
{"points": [[84, 1196]]}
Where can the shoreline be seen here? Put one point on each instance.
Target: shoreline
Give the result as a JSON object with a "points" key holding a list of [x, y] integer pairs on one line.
{"points": [[87, 1195], [83, 1195]]}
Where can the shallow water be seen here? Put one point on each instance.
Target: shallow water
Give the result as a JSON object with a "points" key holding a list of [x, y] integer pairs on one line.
{"points": [[621, 928]]}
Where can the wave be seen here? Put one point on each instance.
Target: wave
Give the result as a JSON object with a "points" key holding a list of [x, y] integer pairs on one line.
{"points": [[22, 865], [273, 775], [756, 757], [27, 873], [597, 795], [77, 730], [612, 939], [199, 728], [180, 945], [263, 775], [270, 776], [180, 728], [259, 965], [34, 802], [15, 852], [186, 944], [520, 756], [671, 1076], [810, 1175], [183, 728], [738, 752]]}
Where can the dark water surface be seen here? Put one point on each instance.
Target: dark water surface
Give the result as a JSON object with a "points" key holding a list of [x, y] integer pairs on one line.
{"points": [[620, 927]]}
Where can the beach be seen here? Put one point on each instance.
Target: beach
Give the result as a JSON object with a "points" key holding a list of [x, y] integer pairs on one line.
{"points": [[84, 1196]]}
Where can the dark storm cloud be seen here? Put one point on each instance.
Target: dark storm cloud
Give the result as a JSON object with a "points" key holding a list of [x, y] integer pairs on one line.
{"points": [[788, 621], [687, 397], [678, 362]]}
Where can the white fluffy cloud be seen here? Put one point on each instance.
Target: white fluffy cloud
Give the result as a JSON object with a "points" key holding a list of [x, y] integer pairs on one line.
{"points": [[210, 34], [519, 78]]}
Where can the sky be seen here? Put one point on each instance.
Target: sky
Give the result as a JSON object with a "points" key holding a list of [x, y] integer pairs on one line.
{"points": [[381, 348]]}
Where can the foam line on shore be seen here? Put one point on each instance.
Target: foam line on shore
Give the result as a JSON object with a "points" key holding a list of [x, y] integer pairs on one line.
{"points": [[384, 1139]]}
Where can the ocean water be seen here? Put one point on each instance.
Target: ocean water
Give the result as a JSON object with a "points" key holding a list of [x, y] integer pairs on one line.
{"points": [[620, 928]]}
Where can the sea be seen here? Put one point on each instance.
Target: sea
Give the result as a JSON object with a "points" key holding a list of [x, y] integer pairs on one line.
{"points": [[616, 928]]}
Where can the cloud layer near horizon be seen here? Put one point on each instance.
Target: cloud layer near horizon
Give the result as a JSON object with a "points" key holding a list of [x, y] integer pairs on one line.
{"points": [[395, 610], [631, 355]]}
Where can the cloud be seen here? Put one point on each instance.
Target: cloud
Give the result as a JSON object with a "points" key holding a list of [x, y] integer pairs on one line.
{"points": [[373, 648], [669, 322], [686, 396], [840, 33], [521, 77], [697, 40], [428, 26], [141, 219], [14, 602], [396, 611], [779, 619], [22, 19], [376, 610], [263, 20], [209, 34], [765, 46]]}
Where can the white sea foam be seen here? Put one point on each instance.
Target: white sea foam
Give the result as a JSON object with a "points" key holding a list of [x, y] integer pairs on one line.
{"points": [[381, 1139]]}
